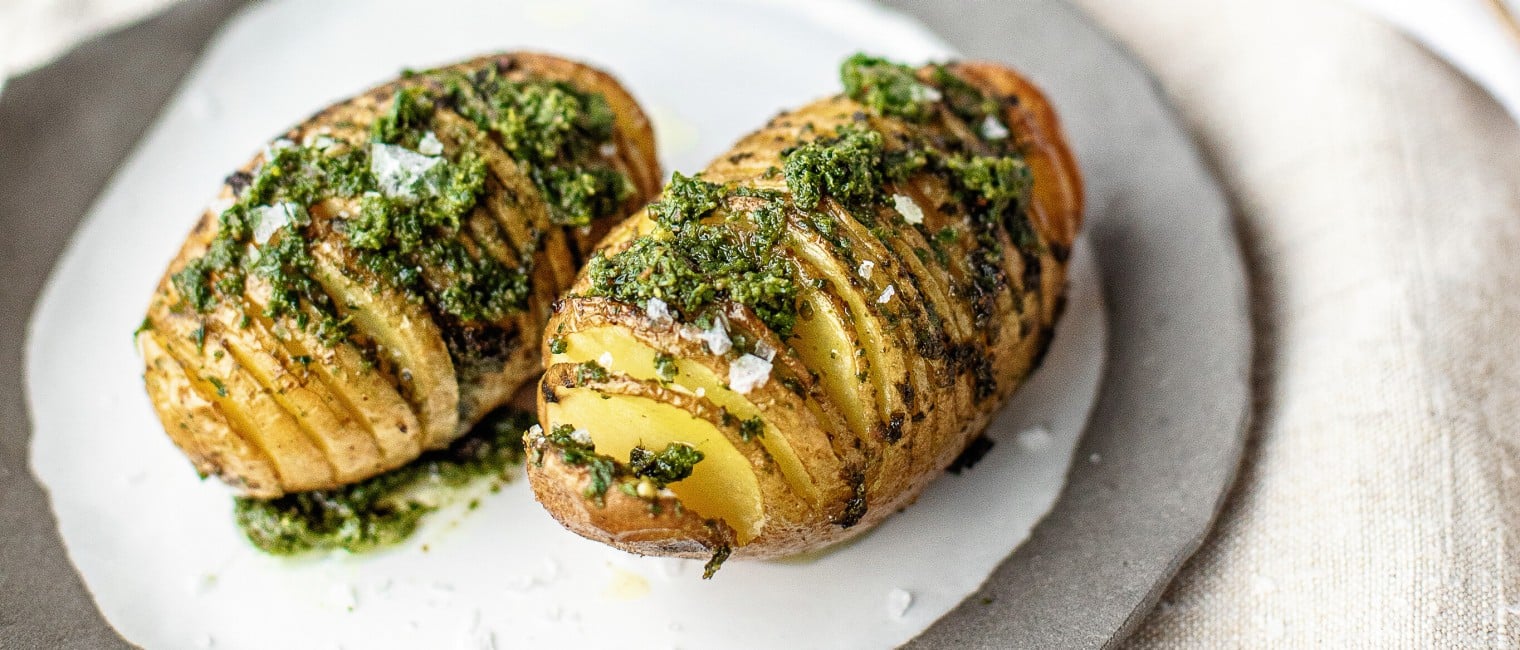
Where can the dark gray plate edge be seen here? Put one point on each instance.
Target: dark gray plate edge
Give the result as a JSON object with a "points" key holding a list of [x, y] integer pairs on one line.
{"points": [[1030, 600]]}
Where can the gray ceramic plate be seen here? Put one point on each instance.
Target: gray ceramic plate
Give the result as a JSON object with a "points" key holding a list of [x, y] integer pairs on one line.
{"points": [[1153, 466]]}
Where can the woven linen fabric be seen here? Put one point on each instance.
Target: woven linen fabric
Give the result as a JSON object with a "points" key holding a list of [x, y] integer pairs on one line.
{"points": [[1377, 194]]}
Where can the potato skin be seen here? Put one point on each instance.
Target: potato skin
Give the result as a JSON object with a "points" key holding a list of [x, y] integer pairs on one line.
{"points": [[917, 400], [261, 403]]}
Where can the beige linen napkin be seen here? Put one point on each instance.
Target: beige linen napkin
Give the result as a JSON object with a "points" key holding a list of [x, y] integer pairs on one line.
{"points": [[1378, 200]]}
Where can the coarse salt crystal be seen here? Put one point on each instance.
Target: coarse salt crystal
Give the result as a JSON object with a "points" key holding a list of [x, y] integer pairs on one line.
{"points": [[1034, 438], [886, 296], [581, 436], [275, 147], [605, 360], [535, 431], [608, 150], [864, 270], [398, 169], [748, 372], [267, 219], [701, 392], [430, 145], [765, 351], [898, 602], [908, 208], [657, 310], [992, 129], [715, 336]]}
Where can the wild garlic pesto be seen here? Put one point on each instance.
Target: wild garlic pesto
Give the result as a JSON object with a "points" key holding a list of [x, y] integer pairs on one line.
{"points": [[384, 510]]}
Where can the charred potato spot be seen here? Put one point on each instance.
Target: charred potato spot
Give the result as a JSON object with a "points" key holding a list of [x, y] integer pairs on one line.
{"points": [[870, 276]]}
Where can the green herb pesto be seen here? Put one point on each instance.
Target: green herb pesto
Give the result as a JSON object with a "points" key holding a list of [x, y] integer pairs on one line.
{"points": [[557, 345], [719, 556], [556, 132], [703, 251], [602, 469], [408, 206], [382, 511], [672, 464], [963, 99], [666, 367], [887, 88], [852, 167], [752, 428], [590, 371]]}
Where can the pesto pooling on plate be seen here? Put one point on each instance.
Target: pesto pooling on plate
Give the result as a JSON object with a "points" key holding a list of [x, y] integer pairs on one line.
{"points": [[386, 509]]}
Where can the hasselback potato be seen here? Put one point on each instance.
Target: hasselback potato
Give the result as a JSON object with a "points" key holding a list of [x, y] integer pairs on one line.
{"points": [[785, 348], [378, 278]]}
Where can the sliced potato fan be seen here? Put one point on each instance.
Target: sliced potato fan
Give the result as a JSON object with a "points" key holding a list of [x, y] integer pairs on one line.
{"points": [[787, 347], [377, 279]]}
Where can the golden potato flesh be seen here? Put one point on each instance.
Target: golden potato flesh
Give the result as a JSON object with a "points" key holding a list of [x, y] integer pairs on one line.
{"points": [[829, 313], [378, 278]]}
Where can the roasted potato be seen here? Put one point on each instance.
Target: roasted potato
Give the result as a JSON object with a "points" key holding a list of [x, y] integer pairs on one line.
{"points": [[378, 278], [785, 349]]}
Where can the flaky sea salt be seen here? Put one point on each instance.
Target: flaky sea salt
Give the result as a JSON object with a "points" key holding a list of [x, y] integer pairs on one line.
{"points": [[715, 337], [909, 209], [581, 436], [275, 147], [748, 372], [992, 129], [430, 145], [886, 296], [268, 219], [898, 602], [657, 311], [605, 360], [864, 270], [398, 169]]}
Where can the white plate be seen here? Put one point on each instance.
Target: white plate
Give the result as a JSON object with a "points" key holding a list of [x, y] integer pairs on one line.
{"points": [[157, 547]]}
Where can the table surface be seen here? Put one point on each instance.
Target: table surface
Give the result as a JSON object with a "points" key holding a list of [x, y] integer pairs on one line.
{"points": [[1088, 573]]}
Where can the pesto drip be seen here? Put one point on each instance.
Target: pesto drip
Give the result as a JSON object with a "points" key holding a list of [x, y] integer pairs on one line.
{"points": [[384, 510], [402, 202], [710, 244]]}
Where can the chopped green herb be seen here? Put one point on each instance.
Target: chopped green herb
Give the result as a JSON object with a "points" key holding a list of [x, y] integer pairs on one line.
{"points": [[887, 88], [672, 464], [703, 252], [752, 428], [590, 370], [666, 367], [602, 469], [714, 563]]}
